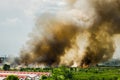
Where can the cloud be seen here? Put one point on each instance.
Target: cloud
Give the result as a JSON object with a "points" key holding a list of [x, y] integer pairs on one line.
{"points": [[38, 6], [11, 21]]}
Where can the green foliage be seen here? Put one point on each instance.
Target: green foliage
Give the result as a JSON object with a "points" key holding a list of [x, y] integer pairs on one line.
{"points": [[92, 73], [6, 67], [12, 77], [36, 69], [61, 73], [43, 77]]}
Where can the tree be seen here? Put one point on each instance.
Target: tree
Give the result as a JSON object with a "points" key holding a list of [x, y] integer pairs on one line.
{"points": [[43, 77], [6, 67], [61, 73], [12, 77]]}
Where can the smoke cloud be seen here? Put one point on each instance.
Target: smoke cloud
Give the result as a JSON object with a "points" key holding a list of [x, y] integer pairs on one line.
{"points": [[79, 35]]}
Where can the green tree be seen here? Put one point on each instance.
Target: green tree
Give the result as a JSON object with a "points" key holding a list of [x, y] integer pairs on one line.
{"points": [[43, 77], [6, 67], [61, 73], [12, 77]]}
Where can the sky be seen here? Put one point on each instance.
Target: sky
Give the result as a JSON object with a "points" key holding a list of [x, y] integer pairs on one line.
{"points": [[17, 19]]}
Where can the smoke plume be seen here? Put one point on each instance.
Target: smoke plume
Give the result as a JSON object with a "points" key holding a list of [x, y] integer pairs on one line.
{"points": [[79, 35]]}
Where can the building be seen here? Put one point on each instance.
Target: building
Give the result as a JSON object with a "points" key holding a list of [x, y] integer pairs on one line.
{"points": [[23, 75]]}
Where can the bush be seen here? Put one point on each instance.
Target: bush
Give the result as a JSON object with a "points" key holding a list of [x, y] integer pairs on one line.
{"points": [[43, 77], [115, 78], [93, 78], [12, 77], [6, 67]]}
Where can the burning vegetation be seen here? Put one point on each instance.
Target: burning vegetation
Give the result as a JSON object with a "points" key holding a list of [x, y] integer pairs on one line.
{"points": [[78, 36]]}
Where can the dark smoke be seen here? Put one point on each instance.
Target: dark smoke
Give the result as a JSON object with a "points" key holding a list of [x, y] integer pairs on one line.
{"points": [[109, 11], [57, 37], [52, 37], [101, 46]]}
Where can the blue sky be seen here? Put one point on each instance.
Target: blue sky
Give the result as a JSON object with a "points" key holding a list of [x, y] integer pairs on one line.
{"points": [[17, 19]]}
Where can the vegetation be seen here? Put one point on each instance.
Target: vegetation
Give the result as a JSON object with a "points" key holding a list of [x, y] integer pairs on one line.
{"points": [[12, 77], [43, 77], [6, 67], [65, 73], [92, 73], [96, 73]]}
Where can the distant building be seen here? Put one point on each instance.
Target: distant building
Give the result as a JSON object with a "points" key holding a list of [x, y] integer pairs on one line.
{"points": [[24, 75]]}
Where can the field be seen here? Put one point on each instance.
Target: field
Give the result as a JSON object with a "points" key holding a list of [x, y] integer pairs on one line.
{"points": [[91, 73]]}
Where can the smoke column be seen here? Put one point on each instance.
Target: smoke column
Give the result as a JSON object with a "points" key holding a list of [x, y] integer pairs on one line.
{"points": [[79, 35]]}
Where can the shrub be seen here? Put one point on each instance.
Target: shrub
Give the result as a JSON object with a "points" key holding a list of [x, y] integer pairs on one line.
{"points": [[43, 77], [12, 77], [6, 67]]}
